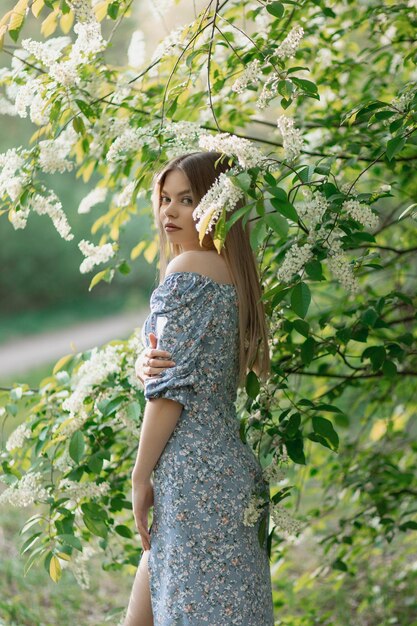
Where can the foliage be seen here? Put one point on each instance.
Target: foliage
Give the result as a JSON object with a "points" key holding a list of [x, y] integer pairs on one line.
{"points": [[329, 187]]}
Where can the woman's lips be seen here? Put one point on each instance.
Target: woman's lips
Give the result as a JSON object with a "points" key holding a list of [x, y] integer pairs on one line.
{"points": [[172, 228]]}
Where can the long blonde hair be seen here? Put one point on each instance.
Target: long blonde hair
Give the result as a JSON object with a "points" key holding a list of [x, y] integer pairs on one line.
{"points": [[201, 170]]}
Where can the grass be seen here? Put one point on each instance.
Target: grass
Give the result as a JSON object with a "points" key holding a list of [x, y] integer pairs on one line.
{"points": [[35, 600]]}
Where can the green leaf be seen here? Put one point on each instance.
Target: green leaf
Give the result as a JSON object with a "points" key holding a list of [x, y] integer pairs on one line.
{"points": [[29, 542], [293, 424], [275, 8], [76, 446], [252, 384], [295, 449], [389, 369], [94, 510], [324, 427], [395, 145], [285, 208], [277, 223], [376, 354], [78, 125], [410, 525], [314, 270], [302, 327], [307, 85], [112, 10], [70, 540], [95, 463], [300, 299], [96, 526], [124, 268], [123, 531], [242, 180], [86, 109], [307, 350], [108, 407], [339, 565]]}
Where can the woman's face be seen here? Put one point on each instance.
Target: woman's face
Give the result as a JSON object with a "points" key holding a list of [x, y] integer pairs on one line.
{"points": [[177, 206]]}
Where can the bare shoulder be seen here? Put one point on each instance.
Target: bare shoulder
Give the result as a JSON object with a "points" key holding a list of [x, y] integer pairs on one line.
{"points": [[208, 263]]}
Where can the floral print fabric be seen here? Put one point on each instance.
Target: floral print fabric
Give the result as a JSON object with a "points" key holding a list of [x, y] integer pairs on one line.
{"points": [[206, 567]]}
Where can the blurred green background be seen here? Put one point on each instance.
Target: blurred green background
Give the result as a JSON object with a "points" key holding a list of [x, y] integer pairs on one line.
{"points": [[41, 287]]}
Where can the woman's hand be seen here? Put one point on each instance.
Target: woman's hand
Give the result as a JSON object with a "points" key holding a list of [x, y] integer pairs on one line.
{"points": [[151, 362], [142, 500]]}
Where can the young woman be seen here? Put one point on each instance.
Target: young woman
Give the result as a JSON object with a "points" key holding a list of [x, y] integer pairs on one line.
{"points": [[201, 564]]}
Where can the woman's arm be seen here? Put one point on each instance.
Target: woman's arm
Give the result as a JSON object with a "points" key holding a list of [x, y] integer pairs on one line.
{"points": [[159, 420]]}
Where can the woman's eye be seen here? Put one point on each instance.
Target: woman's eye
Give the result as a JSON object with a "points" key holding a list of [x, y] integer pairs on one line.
{"points": [[163, 198]]}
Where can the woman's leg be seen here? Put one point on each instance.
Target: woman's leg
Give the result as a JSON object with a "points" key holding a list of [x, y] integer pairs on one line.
{"points": [[139, 610]]}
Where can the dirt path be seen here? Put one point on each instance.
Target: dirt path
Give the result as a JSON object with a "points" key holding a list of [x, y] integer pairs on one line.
{"points": [[21, 355]]}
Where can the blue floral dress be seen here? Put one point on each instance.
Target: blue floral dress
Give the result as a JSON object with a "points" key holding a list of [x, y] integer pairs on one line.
{"points": [[206, 567]]}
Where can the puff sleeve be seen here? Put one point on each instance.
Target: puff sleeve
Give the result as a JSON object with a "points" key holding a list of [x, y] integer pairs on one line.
{"points": [[181, 317]]}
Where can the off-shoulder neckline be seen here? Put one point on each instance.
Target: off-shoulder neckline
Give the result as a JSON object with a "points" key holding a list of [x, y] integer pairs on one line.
{"points": [[202, 276]]}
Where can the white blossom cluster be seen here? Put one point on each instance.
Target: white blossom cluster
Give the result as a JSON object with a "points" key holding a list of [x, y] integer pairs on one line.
{"points": [[18, 217], [18, 437], [348, 189], [168, 44], [134, 348], [124, 198], [137, 49], [51, 205], [95, 196], [7, 107], [94, 254], [292, 138], [77, 491], [78, 566], [401, 102], [253, 510], [245, 151], [92, 372], [361, 213], [313, 209], [47, 52], [72, 424], [64, 71], [12, 174], [82, 9], [286, 524], [253, 71], [274, 472], [251, 74], [288, 47], [33, 95], [130, 141], [294, 260], [341, 269], [25, 491], [53, 152], [223, 194], [185, 137], [269, 90]]}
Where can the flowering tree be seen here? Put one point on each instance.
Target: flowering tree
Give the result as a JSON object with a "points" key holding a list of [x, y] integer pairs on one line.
{"points": [[318, 107]]}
